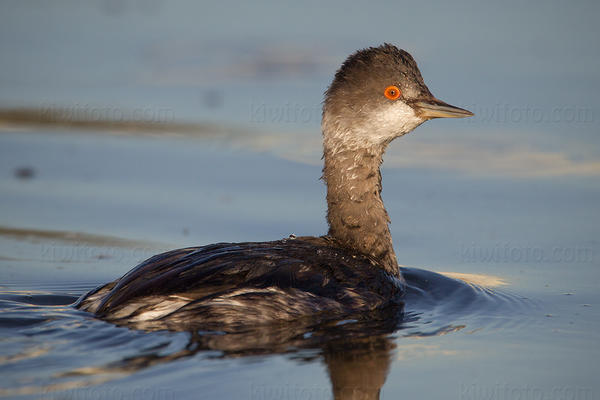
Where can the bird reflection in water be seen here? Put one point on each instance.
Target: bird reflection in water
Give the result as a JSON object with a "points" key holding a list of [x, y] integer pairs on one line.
{"points": [[356, 351], [357, 354]]}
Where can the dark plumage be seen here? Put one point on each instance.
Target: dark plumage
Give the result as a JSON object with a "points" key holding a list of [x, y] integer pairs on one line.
{"points": [[361, 75], [239, 283], [351, 271]]}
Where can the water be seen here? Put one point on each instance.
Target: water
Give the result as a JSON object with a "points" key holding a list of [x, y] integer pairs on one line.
{"points": [[521, 324], [44, 339], [503, 205]]}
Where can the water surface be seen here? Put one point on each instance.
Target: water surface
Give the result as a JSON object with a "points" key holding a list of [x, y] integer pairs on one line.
{"points": [[128, 128], [491, 323]]}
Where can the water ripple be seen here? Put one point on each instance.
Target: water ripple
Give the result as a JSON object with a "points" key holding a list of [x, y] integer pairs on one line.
{"points": [[39, 327]]}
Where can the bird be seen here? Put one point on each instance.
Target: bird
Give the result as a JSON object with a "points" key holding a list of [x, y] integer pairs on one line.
{"points": [[376, 96]]}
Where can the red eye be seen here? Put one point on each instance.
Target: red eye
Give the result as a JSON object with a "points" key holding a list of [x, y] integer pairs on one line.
{"points": [[392, 92]]}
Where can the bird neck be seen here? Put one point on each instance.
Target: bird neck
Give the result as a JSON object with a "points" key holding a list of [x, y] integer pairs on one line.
{"points": [[355, 212]]}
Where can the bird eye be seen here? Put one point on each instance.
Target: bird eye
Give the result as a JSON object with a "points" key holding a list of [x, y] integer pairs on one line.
{"points": [[392, 92]]}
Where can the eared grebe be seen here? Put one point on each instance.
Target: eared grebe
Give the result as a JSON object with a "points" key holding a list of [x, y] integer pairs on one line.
{"points": [[377, 95]]}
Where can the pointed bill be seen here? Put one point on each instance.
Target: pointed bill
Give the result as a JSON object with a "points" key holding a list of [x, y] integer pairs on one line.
{"points": [[434, 108]]}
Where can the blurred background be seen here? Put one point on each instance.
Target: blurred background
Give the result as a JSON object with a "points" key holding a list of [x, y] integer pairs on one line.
{"points": [[128, 127], [191, 122]]}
